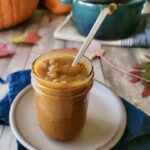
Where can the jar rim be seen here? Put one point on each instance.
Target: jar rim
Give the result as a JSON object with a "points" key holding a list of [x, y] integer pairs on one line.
{"points": [[64, 51]]}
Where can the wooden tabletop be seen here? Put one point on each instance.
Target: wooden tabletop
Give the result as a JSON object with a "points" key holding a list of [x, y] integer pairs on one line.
{"points": [[45, 24]]}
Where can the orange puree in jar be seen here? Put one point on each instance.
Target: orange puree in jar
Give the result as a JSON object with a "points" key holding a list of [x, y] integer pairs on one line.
{"points": [[61, 93], [59, 69]]}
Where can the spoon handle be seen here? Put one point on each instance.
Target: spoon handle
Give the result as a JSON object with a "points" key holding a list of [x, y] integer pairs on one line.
{"points": [[90, 36]]}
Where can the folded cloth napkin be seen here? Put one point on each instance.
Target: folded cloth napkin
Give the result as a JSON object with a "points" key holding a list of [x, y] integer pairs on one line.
{"points": [[137, 133], [141, 37]]}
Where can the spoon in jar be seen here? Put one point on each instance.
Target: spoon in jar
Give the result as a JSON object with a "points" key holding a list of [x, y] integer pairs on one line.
{"points": [[93, 31]]}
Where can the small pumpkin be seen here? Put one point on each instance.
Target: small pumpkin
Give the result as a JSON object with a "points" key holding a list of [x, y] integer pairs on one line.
{"points": [[13, 12], [56, 7]]}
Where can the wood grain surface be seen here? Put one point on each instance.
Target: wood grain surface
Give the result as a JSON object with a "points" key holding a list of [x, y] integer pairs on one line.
{"points": [[45, 24]]}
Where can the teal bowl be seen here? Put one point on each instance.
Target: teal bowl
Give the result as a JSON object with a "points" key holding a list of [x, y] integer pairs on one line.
{"points": [[120, 24]]}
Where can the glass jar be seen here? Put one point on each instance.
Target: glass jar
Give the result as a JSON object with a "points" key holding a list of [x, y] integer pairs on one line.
{"points": [[61, 108]]}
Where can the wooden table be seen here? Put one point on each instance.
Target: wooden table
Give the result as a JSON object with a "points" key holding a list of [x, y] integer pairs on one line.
{"points": [[45, 24]]}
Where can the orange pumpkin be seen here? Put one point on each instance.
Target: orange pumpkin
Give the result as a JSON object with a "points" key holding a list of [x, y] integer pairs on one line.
{"points": [[13, 12], [56, 7]]}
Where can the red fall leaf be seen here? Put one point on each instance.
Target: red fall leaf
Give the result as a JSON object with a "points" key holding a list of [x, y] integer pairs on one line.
{"points": [[5, 50], [142, 71]]}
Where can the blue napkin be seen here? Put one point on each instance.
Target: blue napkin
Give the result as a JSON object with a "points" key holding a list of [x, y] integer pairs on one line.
{"points": [[137, 133]]}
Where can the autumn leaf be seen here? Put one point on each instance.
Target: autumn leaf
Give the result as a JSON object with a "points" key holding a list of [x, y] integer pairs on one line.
{"points": [[135, 79], [94, 50], [5, 50], [142, 71], [27, 38], [146, 91]]}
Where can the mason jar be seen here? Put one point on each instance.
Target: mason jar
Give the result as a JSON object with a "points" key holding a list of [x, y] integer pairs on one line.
{"points": [[61, 107]]}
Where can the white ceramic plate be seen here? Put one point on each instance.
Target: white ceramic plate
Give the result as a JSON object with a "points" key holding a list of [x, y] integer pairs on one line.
{"points": [[106, 121]]}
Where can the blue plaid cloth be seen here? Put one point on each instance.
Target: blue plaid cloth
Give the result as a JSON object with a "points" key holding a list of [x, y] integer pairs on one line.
{"points": [[137, 133]]}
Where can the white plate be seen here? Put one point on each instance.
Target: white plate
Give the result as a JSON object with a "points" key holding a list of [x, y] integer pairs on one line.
{"points": [[106, 122]]}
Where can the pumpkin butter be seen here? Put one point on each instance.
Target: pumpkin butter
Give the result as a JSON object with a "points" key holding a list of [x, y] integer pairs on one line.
{"points": [[61, 93], [59, 69]]}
